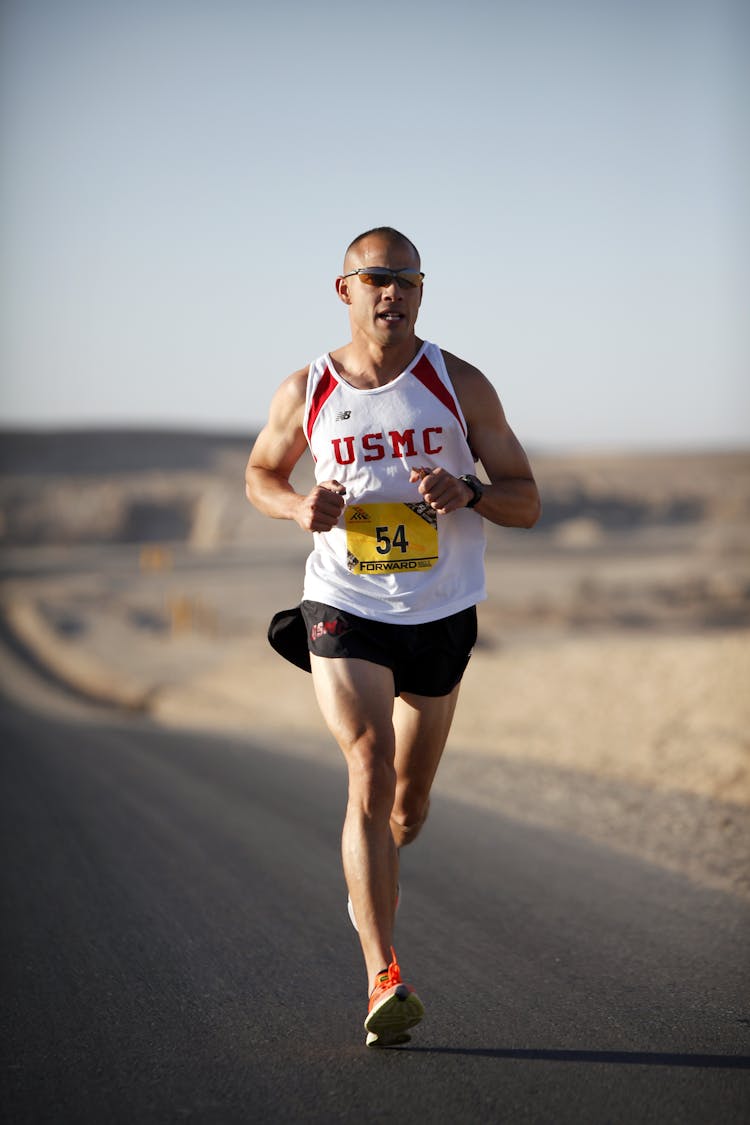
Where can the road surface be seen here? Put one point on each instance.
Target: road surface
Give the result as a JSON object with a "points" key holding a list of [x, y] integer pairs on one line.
{"points": [[176, 948]]}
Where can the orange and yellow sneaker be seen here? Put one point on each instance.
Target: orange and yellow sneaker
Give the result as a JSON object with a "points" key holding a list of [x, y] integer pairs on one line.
{"points": [[394, 1007]]}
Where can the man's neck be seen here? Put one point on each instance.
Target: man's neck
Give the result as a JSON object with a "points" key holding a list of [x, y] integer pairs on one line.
{"points": [[368, 364]]}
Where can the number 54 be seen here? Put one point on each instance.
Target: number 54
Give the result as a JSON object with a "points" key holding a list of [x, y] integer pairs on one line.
{"points": [[385, 544]]}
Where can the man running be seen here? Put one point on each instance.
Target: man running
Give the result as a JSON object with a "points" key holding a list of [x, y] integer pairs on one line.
{"points": [[395, 426]]}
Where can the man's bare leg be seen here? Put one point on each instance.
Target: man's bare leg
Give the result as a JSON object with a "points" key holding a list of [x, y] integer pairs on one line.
{"points": [[356, 700], [393, 748], [422, 725]]}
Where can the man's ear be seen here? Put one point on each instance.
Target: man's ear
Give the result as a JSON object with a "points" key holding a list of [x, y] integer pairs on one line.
{"points": [[342, 288]]}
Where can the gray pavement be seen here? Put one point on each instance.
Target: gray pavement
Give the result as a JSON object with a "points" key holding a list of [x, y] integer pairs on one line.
{"points": [[176, 948]]}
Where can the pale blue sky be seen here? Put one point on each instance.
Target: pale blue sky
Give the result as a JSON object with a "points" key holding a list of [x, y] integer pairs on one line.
{"points": [[180, 179]]}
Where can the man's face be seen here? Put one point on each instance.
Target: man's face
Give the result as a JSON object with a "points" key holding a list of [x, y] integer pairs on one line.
{"points": [[385, 314]]}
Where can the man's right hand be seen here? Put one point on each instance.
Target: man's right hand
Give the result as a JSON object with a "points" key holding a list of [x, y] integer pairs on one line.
{"points": [[321, 508]]}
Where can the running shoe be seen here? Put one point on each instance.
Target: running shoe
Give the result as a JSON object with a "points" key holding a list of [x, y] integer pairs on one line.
{"points": [[350, 908], [394, 1008]]}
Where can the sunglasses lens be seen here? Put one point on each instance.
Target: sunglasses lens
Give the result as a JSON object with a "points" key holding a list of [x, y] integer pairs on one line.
{"points": [[374, 278], [405, 279]]}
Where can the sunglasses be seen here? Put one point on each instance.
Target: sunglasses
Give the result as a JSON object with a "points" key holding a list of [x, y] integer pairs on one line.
{"points": [[379, 276]]}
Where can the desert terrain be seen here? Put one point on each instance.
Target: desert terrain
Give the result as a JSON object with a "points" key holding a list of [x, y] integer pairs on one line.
{"points": [[609, 694]]}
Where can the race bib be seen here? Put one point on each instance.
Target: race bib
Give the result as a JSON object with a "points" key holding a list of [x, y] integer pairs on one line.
{"points": [[383, 538]]}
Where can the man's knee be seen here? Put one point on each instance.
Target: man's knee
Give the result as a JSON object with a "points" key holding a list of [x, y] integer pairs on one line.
{"points": [[406, 826], [372, 778]]}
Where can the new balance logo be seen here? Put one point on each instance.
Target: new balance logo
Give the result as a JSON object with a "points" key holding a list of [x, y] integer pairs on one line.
{"points": [[343, 416]]}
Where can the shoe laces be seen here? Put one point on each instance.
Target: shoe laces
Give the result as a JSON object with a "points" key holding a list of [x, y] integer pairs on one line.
{"points": [[389, 977]]}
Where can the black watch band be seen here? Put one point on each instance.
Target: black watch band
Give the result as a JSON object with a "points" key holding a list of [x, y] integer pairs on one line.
{"points": [[476, 487]]}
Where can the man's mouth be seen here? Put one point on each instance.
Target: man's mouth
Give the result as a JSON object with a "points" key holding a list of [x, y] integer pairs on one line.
{"points": [[391, 317]]}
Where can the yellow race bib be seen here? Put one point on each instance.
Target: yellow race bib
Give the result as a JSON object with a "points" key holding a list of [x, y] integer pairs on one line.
{"points": [[383, 538]]}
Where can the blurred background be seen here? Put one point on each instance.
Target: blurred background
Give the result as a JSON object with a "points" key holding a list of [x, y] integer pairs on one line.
{"points": [[179, 183]]}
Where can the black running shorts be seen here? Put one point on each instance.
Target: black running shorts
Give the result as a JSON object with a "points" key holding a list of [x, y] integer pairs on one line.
{"points": [[427, 659]]}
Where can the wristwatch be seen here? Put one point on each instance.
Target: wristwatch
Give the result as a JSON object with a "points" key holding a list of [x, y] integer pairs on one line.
{"points": [[476, 487]]}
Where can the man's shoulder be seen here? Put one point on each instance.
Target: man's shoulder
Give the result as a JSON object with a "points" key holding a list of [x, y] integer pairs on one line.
{"points": [[459, 369], [294, 387], [291, 394], [296, 383]]}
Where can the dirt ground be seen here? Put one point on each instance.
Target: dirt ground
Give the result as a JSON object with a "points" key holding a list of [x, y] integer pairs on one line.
{"points": [[609, 693]]}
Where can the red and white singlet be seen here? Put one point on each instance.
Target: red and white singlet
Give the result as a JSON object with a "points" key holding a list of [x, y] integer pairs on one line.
{"points": [[391, 557]]}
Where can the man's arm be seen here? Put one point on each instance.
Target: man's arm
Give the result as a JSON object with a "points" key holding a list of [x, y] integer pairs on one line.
{"points": [[278, 448], [511, 499]]}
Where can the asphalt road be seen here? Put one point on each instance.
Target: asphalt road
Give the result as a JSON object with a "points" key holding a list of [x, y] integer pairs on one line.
{"points": [[175, 947]]}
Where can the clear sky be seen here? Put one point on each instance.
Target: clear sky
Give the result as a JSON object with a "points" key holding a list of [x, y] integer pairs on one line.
{"points": [[180, 179]]}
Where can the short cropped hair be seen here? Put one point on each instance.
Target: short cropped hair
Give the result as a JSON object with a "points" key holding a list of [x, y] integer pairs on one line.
{"points": [[389, 233]]}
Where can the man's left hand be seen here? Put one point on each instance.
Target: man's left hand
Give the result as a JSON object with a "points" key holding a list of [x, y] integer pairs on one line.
{"points": [[443, 492]]}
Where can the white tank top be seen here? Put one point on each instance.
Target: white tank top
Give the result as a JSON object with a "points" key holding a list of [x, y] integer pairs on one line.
{"points": [[390, 557]]}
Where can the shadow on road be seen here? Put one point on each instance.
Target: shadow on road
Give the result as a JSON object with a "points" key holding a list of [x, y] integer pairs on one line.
{"points": [[626, 1058]]}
